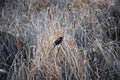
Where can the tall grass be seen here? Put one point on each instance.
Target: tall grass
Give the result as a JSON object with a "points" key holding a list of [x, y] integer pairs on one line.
{"points": [[90, 49]]}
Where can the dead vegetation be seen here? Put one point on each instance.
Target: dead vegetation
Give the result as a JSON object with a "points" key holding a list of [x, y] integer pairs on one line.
{"points": [[90, 49]]}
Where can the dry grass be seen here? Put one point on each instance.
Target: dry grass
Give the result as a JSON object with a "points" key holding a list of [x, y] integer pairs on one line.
{"points": [[90, 49]]}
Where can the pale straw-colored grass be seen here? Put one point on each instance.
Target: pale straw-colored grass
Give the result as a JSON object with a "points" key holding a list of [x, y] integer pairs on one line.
{"points": [[87, 52]]}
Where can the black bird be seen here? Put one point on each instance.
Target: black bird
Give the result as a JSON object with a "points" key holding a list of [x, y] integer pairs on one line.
{"points": [[58, 41]]}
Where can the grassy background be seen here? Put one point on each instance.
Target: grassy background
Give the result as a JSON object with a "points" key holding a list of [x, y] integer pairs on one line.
{"points": [[90, 49]]}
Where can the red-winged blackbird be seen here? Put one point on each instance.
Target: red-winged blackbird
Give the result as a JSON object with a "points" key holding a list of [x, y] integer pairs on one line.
{"points": [[58, 41]]}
